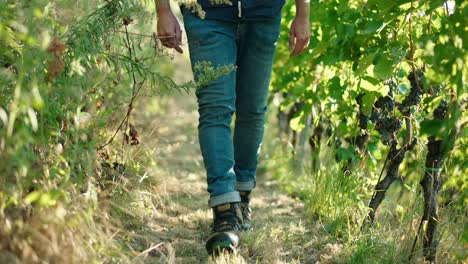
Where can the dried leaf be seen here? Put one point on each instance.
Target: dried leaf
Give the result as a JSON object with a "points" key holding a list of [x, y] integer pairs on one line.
{"points": [[127, 20], [134, 135], [55, 68], [105, 154], [99, 104], [56, 46]]}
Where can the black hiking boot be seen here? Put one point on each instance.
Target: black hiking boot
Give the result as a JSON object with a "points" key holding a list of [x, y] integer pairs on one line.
{"points": [[226, 229], [246, 210]]}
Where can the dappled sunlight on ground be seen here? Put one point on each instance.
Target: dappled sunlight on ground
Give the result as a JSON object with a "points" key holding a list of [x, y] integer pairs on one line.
{"points": [[172, 218], [180, 217]]}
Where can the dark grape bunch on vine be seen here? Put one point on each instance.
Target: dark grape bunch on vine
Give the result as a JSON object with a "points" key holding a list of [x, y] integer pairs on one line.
{"points": [[383, 116], [363, 118], [414, 97], [389, 125]]}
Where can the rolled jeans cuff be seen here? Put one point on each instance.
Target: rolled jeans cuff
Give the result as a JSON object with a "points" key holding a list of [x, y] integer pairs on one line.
{"points": [[245, 186], [230, 197]]}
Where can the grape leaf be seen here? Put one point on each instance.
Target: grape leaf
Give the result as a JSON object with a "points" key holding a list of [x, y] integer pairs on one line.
{"points": [[335, 89], [383, 69], [433, 127]]}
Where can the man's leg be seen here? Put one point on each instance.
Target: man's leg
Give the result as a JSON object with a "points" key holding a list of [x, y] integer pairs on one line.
{"points": [[214, 41], [256, 49]]}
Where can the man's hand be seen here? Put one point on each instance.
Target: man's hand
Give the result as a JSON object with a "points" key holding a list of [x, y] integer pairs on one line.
{"points": [[169, 31], [299, 33]]}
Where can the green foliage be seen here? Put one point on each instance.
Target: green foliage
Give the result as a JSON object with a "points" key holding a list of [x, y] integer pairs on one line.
{"points": [[68, 70], [206, 72], [370, 50]]}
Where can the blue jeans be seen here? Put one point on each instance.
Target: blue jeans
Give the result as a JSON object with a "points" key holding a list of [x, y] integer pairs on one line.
{"points": [[231, 162]]}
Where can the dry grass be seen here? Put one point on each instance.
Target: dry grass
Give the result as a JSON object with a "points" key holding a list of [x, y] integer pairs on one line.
{"points": [[157, 211], [175, 212], [65, 233]]}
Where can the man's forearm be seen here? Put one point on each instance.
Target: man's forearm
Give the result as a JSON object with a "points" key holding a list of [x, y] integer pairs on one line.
{"points": [[162, 6], [302, 8]]}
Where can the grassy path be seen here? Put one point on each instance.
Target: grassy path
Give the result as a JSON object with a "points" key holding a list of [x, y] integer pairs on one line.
{"points": [[177, 221]]}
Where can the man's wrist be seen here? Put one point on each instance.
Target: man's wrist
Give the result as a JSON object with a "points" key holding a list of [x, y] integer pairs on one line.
{"points": [[303, 9], [303, 13], [162, 7], [302, 17]]}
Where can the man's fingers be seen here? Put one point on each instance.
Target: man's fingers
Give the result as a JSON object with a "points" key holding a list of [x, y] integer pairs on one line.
{"points": [[179, 35], [297, 48], [168, 41], [178, 39], [164, 39], [178, 49], [292, 39], [305, 45], [301, 45], [295, 51], [172, 43], [170, 33]]}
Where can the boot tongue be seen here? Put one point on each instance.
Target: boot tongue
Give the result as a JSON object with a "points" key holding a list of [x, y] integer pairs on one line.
{"points": [[223, 207]]}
